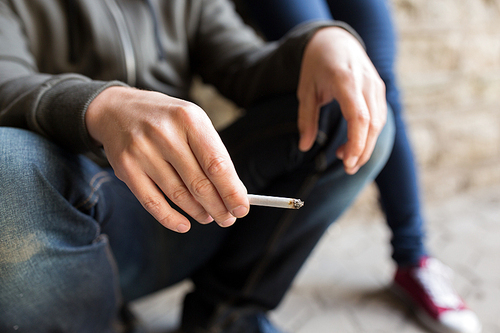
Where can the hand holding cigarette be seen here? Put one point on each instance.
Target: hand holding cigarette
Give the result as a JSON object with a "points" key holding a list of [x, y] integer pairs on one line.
{"points": [[278, 202]]}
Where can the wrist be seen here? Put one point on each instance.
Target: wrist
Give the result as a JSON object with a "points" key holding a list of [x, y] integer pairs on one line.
{"points": [[99, 108]]}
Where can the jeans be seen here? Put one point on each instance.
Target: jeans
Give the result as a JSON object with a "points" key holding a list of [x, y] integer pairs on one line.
{"points": [[398, 181], [75, 244]]}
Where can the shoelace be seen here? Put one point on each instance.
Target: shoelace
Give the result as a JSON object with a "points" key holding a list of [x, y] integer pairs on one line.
{"points": [[436, 280]]}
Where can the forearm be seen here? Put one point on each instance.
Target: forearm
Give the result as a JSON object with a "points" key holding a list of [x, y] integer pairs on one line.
{"points": [[53, 106], [230, 56]]}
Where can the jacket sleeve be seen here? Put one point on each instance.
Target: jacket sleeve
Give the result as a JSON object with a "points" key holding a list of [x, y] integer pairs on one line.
{"points": [[51, 105], [240, 64]]}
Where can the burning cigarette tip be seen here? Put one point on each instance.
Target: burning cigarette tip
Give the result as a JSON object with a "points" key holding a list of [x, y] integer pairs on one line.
{"points": [[297, 203]]}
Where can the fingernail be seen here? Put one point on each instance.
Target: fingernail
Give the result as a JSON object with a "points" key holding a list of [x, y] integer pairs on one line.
{"points": [[240, 211], [351, 162], [182, 228], [209, 219], [230, 221], [352, 171], [340, 154]]}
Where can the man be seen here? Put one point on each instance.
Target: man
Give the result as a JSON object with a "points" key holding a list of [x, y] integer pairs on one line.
{"points": [[87, 83]]}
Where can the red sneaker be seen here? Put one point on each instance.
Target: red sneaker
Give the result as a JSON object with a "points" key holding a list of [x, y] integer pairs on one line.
{"points": [[428, 289]]}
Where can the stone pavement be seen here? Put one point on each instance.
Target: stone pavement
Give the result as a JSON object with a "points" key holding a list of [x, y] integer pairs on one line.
{"points": [[343, 286]]}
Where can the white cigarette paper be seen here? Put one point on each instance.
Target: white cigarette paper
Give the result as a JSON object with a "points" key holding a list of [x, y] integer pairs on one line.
{"points": [[278, 202]]}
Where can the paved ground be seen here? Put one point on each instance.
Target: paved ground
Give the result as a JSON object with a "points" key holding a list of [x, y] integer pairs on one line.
{"points": [[343, 287]]}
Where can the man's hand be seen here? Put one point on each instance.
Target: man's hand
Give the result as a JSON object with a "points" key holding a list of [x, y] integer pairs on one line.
{"points": [[335, 66], [159, 145]]}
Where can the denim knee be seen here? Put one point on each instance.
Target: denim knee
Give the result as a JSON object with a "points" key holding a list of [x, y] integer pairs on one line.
{"points": [[34, 170], [56, 270], [384, 145], [27, 159], [37, 177]]}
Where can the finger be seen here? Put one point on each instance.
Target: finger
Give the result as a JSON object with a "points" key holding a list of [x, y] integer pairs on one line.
{"points": [[308, 118], [376, 102], [371, 140], [356, 113], [219, 179], [170, 183], [153, 200], [202, 189]]}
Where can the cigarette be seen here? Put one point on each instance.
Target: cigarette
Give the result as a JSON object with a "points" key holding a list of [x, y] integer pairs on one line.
{"points": [[278, 202]]}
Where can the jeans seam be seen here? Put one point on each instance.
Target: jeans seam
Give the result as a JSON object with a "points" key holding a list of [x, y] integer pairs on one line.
{"points": [[256, 274], [95, 183], [281, 228]]}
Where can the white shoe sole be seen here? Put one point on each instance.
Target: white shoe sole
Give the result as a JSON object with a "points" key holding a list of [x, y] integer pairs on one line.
{"points": [[422, 316]]}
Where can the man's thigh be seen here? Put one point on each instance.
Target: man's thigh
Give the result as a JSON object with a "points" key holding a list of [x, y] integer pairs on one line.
{"points": [[65, 205], [263, 144]]}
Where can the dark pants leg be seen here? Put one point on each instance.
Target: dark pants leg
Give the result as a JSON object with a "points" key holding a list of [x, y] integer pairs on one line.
{"points": [[264, 251], [398, 181], [75, 244]]}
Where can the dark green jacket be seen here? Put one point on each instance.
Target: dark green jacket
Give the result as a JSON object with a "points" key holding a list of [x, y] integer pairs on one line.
{"points": [[57, 55]]}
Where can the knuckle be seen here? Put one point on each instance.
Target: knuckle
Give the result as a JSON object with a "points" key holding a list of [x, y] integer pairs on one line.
{"points": [[183, 112], [200, 217], [377, 124], [120, 174], [380, 83], [167, 220], [343, 70], [357, 147], [345, 75], [124, 167], [379, 86], [363, 117], [218, 165], [202, 187], [180, 194], [231, 196], [188, 113], [374, 82], [153, 205], [221, 216]]}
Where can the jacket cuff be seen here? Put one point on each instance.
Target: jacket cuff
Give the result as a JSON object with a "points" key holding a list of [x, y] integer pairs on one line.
{"points": [[60, 113], [308, 29], [299, 37]]}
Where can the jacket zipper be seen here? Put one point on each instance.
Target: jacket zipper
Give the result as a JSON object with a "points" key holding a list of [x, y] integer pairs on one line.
{"points": [[126, 41], [156, 27]]}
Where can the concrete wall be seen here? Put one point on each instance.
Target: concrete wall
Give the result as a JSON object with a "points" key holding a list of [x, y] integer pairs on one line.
{"points": [[449, 71]]}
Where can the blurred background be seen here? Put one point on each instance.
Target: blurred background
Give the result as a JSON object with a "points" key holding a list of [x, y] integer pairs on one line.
{"points": [[449, 70]]}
